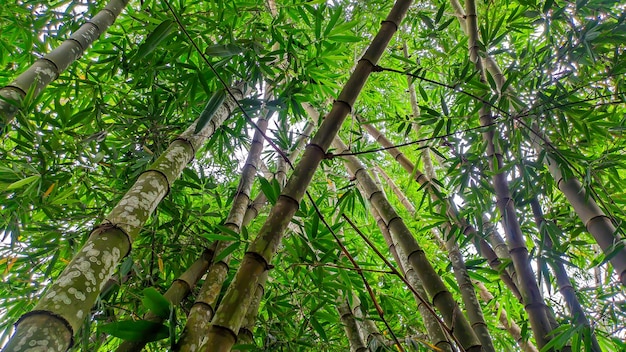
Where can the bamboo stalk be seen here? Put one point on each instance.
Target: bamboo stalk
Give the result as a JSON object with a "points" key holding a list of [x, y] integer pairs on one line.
{"points": [[350, 326], [435, 333], [533, 301], [64, 305], [48, 68], [229, 316], [416, 257], [180, 288], [472, 306]]}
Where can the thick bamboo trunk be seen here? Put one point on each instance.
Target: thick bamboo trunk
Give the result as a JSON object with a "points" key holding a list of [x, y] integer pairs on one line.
{"points": [[70, 298], [197, 326], [416, 257], [483, 248], [179, 289], [227, 321], [48, 68], [533, 301], [246, 332]]}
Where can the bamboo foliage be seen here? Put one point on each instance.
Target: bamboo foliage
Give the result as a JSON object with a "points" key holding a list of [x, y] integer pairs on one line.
{"points": [[229, 316], [51, 65], [432, 282], [60, 312]]}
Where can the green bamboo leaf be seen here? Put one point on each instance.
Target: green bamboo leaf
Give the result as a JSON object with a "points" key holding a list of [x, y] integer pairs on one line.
{"points": [[156, 303], [345, 38], [154, 39], [216, 100], [23, 182], [136, 330], [224, 50], [227, 251], [319, 328]]}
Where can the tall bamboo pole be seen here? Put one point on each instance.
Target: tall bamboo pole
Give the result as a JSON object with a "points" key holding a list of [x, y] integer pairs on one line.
{"points": [[201, 313], [228, 318], [597, 223], [416, 257], [179, 289], [64, 305], [246, 332], [49, 67], [533, 301]]}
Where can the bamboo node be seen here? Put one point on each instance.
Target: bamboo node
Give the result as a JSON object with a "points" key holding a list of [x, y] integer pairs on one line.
{"points": [[63, 321]]}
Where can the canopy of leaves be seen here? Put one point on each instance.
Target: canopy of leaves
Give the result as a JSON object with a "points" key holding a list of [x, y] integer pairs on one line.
{"points": [[73, 151]]}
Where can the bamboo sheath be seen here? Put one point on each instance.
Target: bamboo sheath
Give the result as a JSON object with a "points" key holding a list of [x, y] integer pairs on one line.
{"points": [[48, 68], [229, 316], [67, 301], [416, 257], [533, 301]]}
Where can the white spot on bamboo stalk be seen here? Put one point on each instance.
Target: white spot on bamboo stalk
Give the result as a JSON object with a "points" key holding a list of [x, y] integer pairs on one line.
{"points": [[41, 71]]}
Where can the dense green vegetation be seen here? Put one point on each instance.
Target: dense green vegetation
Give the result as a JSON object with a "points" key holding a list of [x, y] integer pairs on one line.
{"points": [[546, 78]]}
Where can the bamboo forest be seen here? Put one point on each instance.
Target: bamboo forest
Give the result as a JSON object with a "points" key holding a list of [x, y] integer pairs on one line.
{"points": [[312, 175]]}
